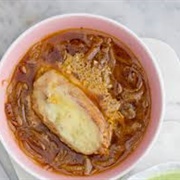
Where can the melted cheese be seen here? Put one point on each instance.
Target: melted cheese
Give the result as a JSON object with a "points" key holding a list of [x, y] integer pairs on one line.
{"points": [[96, 79]]}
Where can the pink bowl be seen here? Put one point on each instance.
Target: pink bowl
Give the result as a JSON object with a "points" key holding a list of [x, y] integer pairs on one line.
{"points": [[57, 23]]}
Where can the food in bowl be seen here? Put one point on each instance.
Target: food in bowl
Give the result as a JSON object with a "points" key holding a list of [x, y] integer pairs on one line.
{"points": [[78, 102]]}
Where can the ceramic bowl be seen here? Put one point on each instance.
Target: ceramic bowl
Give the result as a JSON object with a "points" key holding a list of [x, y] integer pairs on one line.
{"points": [[62, 22]]}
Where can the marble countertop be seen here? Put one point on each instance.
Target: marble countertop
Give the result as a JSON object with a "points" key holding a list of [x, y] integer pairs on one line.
{"points": [[154, 18]]}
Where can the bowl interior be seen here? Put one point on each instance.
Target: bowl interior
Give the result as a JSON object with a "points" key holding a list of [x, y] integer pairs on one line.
{"points": [[49, 26]]}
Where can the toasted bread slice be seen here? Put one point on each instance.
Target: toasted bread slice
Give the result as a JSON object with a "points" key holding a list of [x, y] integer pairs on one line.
{"points": [[69, 113]]}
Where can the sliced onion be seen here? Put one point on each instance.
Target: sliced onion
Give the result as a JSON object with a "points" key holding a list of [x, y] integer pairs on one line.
{"points": [[133, 78], [128, 110], [112, 61], [88, 166], [94, 49], [92, 53], [74, 169], [130, 96]]}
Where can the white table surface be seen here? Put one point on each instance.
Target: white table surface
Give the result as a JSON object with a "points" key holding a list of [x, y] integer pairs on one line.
{"points": [[148, 18]]}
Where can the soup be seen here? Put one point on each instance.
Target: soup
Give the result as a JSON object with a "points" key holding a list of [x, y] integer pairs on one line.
{"points": [[78, 102]]}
